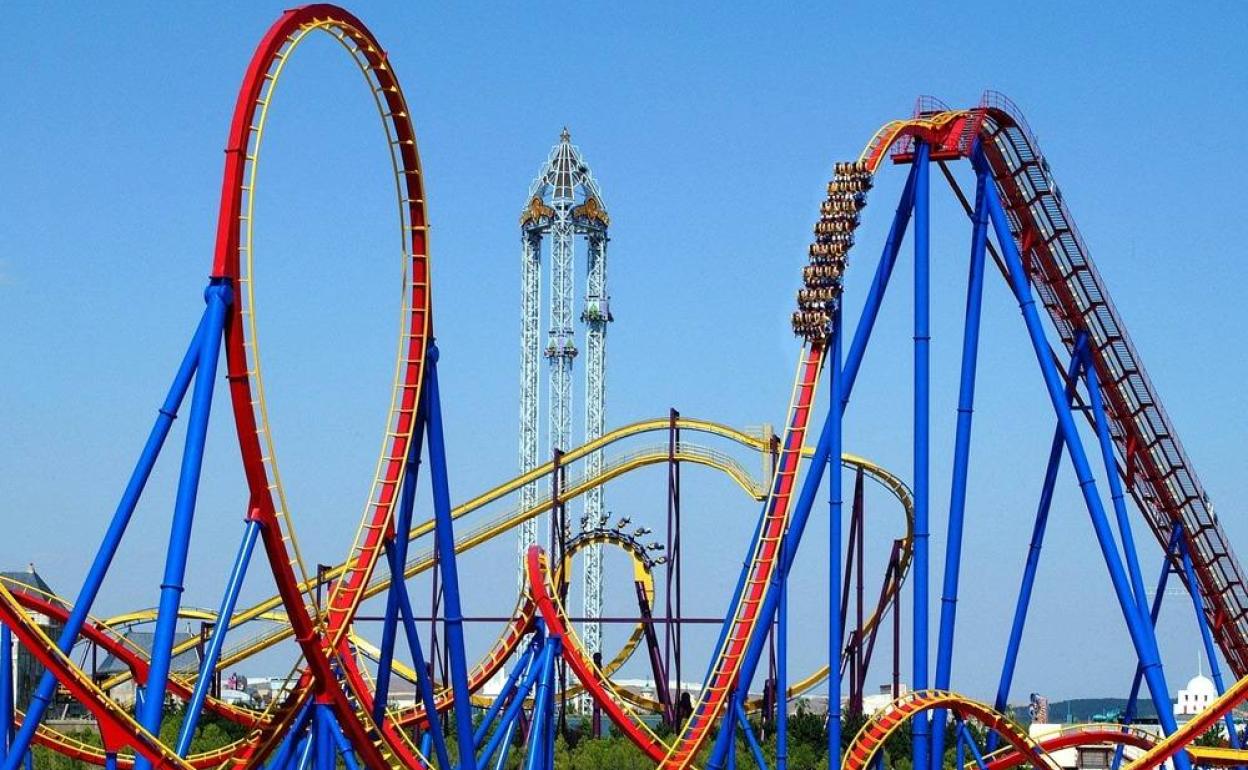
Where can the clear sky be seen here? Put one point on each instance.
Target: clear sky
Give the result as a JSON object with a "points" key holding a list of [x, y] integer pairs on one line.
{"points": [[712, 131]]}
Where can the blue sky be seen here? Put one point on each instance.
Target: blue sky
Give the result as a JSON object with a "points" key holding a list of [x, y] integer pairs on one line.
{"points": [[712, 133]]}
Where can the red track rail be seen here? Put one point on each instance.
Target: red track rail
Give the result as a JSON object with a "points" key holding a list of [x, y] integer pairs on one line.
{"points": [[1087, 735], [133, 660], [319, 645], [883, 724]]}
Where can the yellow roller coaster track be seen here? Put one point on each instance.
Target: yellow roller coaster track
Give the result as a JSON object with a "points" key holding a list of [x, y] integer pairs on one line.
{"points": [[627, 462], [623, 464]]}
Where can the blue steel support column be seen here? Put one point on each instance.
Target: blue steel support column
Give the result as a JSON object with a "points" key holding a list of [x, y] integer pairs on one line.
{"points": [[1140, 630], [281, 758], [959, 760], [782, 674], [506, 726], [399, 541], [922, 410], [751, 740], [1033, 550], [535, 757], [814, 476], [969, 740], [207, 669], [1211, 651], [6, 690], [218, 295], [508, 737], [1115, 483], [507, 692], [883, 272], [324, 739], [961, 460], [1128, 712], [835, 632], [340, 741], [446, 559], [168, 412], [418, 663], [307, 749]]}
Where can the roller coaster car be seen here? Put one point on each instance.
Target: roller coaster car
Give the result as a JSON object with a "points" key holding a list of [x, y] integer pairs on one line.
{"points": [[819, 273], [841, 240], [840, 204], [835, 234], [811, 324], [824, 251], [816, 299], [835, 264]]}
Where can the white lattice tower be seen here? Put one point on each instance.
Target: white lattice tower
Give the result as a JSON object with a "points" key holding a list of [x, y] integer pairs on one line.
{"points": [[564, 204]]}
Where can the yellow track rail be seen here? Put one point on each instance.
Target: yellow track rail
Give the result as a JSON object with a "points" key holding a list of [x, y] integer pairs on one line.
{"points": [[688, 453]]}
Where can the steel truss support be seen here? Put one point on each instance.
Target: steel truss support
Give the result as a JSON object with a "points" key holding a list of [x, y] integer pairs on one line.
{"points": [[218, 295], [782, 675], [1037, 542], [208, 668], [661, 691], [290, 748], [398, 543], [1206, 635], [751, 740], [504, 695], [1117, 497], [835, 624], [672, 606], [961, 460], [530, 384], [1167, 567], [965, 738], [541, 741], [1140, 630], [922, 453], [539, 660], [424, 681], [596, 317], [340, 742], [454, 620], [168, 412]]}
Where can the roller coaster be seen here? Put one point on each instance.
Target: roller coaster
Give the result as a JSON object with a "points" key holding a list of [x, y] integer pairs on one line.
{"points": [[338, 711]]}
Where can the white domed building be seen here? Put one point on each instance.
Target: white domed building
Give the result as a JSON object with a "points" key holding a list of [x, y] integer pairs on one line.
{"points": [[1195, 698]]}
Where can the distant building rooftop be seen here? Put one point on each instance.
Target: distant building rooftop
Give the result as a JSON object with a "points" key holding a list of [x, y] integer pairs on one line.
{"points": [[15, 579]]}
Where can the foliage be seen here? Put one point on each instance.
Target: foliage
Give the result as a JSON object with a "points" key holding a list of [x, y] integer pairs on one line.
{"points": [[577, 750]]}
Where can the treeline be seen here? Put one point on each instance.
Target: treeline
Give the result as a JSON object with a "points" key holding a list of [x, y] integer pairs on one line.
{"points": [[575, 749]]}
